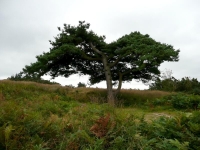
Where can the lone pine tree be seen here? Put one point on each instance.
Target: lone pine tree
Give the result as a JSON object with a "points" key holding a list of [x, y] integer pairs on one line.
{"points": [[78, 50]]}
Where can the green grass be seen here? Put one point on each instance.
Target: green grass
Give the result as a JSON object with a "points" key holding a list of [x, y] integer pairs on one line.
{"points": [[38, 117]]}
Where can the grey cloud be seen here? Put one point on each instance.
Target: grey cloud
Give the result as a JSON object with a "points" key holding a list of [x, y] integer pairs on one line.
{"points": [[26, 27]]}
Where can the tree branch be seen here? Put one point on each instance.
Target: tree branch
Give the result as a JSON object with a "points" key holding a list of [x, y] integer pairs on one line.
{"points": [[90, 58], [96, 50], [121, 56], [120, 81], [114, 63], [126, 72], [119, 84]]}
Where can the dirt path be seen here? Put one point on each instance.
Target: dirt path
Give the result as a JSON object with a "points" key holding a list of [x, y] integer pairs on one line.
{"points": [[153, 116]]}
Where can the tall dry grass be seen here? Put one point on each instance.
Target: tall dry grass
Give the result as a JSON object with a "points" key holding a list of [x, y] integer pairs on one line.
{"points": [[126, 97]]}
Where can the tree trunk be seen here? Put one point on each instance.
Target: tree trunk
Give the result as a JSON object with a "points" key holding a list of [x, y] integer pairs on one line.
{"points": [[119, 84], [110, 93]]}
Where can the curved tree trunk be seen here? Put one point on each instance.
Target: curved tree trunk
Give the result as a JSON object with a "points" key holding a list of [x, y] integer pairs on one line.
{"points": [[110, 94]]}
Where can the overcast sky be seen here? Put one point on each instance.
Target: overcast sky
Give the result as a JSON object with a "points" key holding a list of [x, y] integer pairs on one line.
{"points": [[26, 26]]}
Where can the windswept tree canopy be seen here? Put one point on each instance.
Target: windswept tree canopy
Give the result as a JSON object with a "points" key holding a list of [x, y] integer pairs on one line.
{"points": [[135, 56], [76, 49]]}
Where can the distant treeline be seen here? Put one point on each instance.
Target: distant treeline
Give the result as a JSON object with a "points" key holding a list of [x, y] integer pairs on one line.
{"points": [[186, 84], [21, 77]]}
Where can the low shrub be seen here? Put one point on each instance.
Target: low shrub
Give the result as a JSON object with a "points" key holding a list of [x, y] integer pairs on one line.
{"points": [[181, 132], [179, 101]]}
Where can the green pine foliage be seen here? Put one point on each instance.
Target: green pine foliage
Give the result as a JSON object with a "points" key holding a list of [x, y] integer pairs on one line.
{"points": [[40, 117], [79, 50]]}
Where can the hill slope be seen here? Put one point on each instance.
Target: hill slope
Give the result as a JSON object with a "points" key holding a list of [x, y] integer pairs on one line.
{"points": [[38, 116]]}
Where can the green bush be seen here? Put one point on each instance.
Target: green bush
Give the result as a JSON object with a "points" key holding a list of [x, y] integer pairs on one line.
{"points": [[162, 134], [179, 101], [186, 85], [183, 129], [80, 84]]}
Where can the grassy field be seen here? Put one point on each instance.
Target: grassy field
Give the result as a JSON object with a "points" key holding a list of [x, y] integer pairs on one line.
{"points": [[37, 116]]}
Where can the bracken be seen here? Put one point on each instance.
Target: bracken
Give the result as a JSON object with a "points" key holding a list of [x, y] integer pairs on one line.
{"points": [[100, 128]]}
